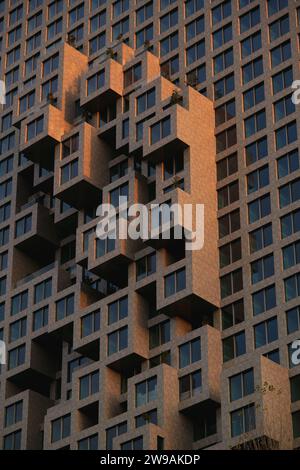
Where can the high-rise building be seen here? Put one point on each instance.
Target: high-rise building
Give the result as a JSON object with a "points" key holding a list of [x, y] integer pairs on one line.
{"points": [[144, 344]]}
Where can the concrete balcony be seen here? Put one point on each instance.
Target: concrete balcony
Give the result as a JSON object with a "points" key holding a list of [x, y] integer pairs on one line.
{"points": [[102, 85], [35, 232], [269, 426], [82, 170], [40, 133], [208, 395]]}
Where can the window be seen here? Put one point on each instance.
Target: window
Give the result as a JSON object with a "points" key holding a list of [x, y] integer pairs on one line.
{"points": [[251, 44], [97, 21], [229, 223], [222, 36], [189, 352], [18, 329], [26, 102], [114, 431], [173, 165], [259, 208], [6, 165], [223, 61], [19, 303], [12, 441], [31, 64], [266, 332], [234, 346], [23, 225], [255, 123], [90, 323], [169, 20], [146, 418], [192, 6], [33, 43], [254, 96], [105, 246], [64, 307], [279, 28], [225, 112], [243, 420], [296, 424], [228, 195], [233, 314], [260, 238], [50, 65], [119, 7], [146, 391], [88, 443], [120, 29], [35, 128], [274, 6], [40, 318], [160, 130], [194, 28], [291, 255], [159, 334], [61, 428], [15, 15], [288, 163], [88, 385], [170, 67], [252, 70], [241, 385], [144, 36], [144, 13], [281, 53], [190, 385], [117, 341], [231, 283], [97, 43], [230, 253], [43, 290], [169, 44], [69, 171], [195, 52], [289, 193], [16, 357], [256, 151], [205, 426], [283, 108], [118, 171], [290, 223], [134, 444], [5, 212], [117, 193], [226, 139], [175, 282], [282, 80], [295, 388], [76, 14], [5, 188], [292, 287], [4, 236], [70, 145], [133, 74], [145, 266], [55, 8], [264, 300], [13, 413], [118, 310], [221, 12], [262, 268], [249, 19]]}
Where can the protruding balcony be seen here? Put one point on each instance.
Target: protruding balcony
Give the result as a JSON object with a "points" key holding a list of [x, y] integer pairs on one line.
{"points": [[261, 418], [102, 86], [35, 233], [39, 134], [81, 168], [200, 382]]}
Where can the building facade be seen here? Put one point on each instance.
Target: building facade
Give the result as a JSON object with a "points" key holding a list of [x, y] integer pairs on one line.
{"points": [[142, 344]]}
